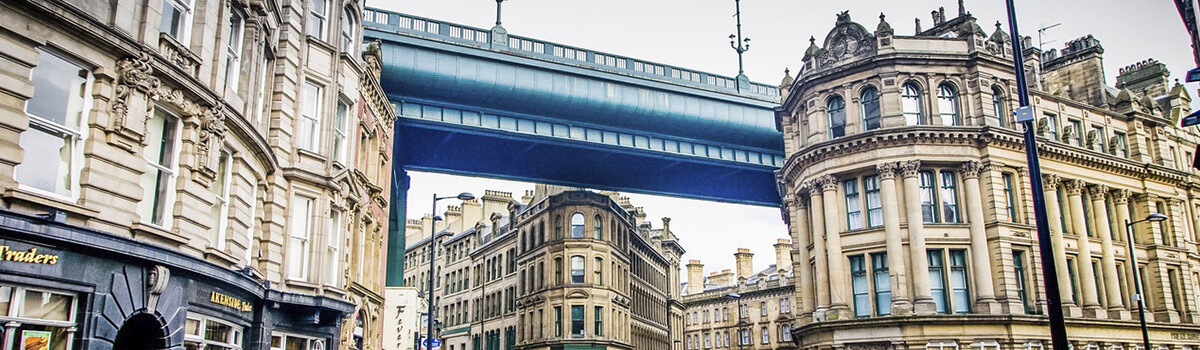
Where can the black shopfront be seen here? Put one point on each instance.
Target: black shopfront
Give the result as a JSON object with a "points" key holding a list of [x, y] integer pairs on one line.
{"points": [[64, 287]]}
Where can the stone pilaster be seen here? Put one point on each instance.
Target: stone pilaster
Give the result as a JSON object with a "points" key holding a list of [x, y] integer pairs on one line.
{"points": [[901, 305], [1087, 275], [821, 280], [1108, 262], [922, 296], [1050, 183], [800, 221], [838, 307], [985, 295]]}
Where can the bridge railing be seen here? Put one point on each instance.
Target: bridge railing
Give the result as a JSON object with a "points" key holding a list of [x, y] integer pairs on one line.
{"points": [[471, 36]]}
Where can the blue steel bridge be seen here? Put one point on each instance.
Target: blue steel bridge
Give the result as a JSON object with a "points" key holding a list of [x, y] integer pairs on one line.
{"points": [[473, 102]]}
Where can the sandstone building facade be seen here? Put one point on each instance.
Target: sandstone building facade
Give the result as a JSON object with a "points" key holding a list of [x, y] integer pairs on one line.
{"points": [[191, 174], [741, 309], [557, 269], [910, 207]]}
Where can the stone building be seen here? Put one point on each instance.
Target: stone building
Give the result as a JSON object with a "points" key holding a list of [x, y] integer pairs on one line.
{"points": [[909, 200], [557, 269], [741, 309], [191, 174]]}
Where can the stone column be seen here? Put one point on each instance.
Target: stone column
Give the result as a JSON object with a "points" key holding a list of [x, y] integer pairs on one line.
{"points": [[1087, 276], [833, 248], [802, 269], [821, 280], [1108, 262], [901, 304], [1121, 202], [922, 298], [981, 259], [1050, 183]]}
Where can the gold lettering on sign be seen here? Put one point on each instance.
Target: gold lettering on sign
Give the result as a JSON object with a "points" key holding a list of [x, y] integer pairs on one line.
{"points": [[230, 301], [30, 257]]}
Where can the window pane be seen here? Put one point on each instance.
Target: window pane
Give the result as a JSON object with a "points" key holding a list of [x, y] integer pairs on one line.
{"points": [[6, 294], [949, 198], [47, 163], [577, 269], [874, 204], [577, 225], [928, 197], [853, 211], [836, 110], [948, 105], [60, 89], [218, 332], [870, 109], [910, 102], [958, 281], [937, 284], [883, 284], [577, 320], [858, 275], [46, 306]]}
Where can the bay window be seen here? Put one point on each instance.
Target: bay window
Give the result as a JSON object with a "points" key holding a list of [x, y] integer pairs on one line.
{"points": [[836, 111]]}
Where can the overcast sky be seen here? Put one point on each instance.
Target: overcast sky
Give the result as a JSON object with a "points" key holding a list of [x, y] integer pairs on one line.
{"points": [[695, 34]]}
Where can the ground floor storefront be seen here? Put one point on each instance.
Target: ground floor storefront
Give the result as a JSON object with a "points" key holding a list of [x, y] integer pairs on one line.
{"points": [[64, 287]]}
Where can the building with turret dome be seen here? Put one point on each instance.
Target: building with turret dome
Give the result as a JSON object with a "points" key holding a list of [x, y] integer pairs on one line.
{"points": [[909, 202]]}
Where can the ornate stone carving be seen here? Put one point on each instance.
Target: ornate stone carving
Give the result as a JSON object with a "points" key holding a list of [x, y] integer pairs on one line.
{"points": [[1121, 196], [1050, 182], [212, 132], [910, 168], [1097, 191], [1074, 187], [178, 55], [136, 87], [813, 188], [887, 171], [971, 169], [156, 284], [846, 40], [828, 182]]}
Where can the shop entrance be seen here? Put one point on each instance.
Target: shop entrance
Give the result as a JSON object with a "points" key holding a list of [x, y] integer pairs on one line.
{"points": [[142, 331]]}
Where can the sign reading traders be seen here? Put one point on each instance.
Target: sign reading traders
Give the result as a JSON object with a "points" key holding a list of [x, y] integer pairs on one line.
{"points": [[30, 256], [229, 301]]}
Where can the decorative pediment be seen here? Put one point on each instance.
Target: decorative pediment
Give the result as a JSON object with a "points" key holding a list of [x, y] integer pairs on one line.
{"points": [[847, 40], [578, 294]]}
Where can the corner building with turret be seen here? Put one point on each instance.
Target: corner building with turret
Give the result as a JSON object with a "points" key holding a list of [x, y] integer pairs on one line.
{"points": [[909, 202]]}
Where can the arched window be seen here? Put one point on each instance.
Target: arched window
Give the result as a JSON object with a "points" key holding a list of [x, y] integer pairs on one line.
{"points": [[998, 105], [577, 269], [836, 109], [558, 266], [597, 227], [948, 105], [870, 108], [348, 34], [910, 102], [577, 225]]}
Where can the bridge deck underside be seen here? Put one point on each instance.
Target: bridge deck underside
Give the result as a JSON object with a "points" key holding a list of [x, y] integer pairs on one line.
{"points": [[425, 146]]}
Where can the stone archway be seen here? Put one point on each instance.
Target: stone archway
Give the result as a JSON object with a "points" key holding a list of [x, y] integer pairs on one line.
{"points": [[142, 331]]}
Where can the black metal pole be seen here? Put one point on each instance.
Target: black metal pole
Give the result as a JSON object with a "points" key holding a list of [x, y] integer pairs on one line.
{"points": [[432, 270], [1137, 283], [1058, 328]]}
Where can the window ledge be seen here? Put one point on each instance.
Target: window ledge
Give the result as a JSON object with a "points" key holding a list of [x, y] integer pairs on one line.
{"points": [[28, 196], [142, 227], [220, 255], [295, 283]]}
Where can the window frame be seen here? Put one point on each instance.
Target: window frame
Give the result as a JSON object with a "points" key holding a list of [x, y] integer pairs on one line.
{"points": [[948, 97], [951, 211], [341, 131], [348, 32], [72, 136], [300, 233], [219, 232], [1010, 196], [235, 335], [930, 208], [186, 8], [578, 323], [1019, 271], [854, 211], [333, 249], [835, 107], [872, 191], [865, 106], [911, 92], [311, 103], [320, 19], [880, 271], [233, 48], [860, 286], [998, 105], [582, 267], [162, 212]]}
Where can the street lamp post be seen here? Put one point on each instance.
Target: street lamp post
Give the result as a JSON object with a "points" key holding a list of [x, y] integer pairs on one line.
{"points": [[1058, 328], [433, 247], [1139, 294], [738, 300]]}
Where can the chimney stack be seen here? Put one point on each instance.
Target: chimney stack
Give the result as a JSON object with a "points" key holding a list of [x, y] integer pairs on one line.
{"points": [[745, 263], [695, 277], [783, 254]]}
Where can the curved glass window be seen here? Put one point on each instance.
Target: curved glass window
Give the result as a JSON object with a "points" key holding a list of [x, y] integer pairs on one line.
{"points": [[577, 225], [910, 102], [998, 105], [869, 100], [948, 105], [836, 109]]}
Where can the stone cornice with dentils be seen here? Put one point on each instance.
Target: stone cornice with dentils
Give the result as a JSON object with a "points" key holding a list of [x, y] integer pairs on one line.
{"points": [[979, 137]]}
